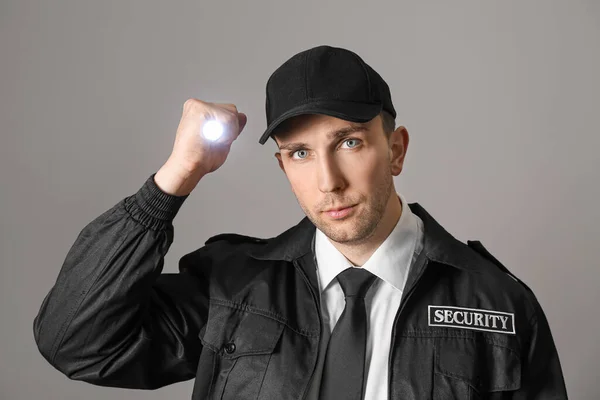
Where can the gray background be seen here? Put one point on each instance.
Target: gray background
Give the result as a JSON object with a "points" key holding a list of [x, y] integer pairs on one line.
{"points": [[501, 100]]}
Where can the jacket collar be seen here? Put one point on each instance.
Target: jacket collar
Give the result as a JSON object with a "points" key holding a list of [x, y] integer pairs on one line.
{"points": [[438, 244]]}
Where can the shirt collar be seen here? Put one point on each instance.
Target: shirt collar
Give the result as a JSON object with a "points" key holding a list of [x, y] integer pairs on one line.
{"points": [[389, 262], [439, 245]]}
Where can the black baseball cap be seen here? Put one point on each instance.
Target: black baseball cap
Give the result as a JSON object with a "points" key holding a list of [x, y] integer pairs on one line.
{"points": [[325, 80]]}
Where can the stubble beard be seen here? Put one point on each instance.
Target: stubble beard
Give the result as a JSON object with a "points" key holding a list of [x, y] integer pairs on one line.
{"points": [[359, 227]]}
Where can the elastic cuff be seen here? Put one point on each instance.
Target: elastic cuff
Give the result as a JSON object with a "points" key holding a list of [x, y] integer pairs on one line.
{"points": [[156, 203]]}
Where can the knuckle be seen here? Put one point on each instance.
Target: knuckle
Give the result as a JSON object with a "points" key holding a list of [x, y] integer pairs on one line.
{"points": [[188, 104], [229, 118], [192, 103], [228, 106]]}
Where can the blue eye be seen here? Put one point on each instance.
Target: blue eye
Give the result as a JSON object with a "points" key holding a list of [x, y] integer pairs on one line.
{"points": [[292, 155], [351, 140]]}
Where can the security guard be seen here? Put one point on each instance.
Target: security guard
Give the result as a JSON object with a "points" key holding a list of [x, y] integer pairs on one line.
{"points": [[367, 297]]}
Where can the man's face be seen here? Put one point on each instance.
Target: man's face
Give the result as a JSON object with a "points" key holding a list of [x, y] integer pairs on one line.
{"points": [[333, 163]]}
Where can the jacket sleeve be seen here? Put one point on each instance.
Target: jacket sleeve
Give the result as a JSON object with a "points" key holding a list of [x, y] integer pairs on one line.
{"points": [[541, 375], [112, 318]]}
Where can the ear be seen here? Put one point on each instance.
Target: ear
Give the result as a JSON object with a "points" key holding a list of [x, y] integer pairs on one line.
{"points": [[398, 146]]}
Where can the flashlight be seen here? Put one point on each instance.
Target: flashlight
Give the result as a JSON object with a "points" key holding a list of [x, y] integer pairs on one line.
{"points": [[212, 130]]}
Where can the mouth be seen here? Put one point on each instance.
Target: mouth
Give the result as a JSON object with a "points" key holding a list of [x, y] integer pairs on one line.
{"points": [[339, 208], [340, 212]]}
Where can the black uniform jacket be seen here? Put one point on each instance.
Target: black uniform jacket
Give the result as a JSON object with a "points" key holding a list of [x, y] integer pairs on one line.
{"points": [[242, 315]]}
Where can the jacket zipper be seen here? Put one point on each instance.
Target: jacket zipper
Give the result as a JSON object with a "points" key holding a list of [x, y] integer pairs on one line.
{"points": [[402, 305], [317, 306]]}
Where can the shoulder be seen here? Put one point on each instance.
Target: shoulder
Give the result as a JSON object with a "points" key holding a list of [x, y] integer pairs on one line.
{"points": [[493, 264], [501, 280], [234, 238], [219, 250], [226, 245]]}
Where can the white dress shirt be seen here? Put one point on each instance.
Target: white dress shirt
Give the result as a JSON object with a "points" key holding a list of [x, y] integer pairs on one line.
{"points": [[390, 263]]}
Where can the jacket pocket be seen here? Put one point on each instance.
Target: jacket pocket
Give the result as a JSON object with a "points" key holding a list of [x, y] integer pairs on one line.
{"points": [[473, 367], [242, 342]]}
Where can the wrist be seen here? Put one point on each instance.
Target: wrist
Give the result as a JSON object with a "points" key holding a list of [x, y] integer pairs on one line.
{"points": [[175, 180]]}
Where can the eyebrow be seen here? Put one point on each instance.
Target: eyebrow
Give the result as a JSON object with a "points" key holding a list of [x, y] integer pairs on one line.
{"points": [[335, 135]]}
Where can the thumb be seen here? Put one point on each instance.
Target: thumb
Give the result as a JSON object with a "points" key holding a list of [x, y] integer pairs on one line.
{"points": [[242, 119]]}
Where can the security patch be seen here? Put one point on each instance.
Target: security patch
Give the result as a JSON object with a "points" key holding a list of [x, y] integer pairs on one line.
{"points": [[472, 318]]}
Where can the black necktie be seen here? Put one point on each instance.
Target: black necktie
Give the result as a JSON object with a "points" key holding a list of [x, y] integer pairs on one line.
{"points": [[345, 357]]}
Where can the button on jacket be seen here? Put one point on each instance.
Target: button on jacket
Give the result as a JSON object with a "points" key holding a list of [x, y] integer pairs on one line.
{"points": [[242, 315], [390, 264]]}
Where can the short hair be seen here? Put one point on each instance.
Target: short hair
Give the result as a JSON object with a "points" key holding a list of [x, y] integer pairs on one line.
{"points": [[387, 121]]}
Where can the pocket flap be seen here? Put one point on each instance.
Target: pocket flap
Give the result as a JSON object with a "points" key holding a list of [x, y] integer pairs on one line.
{"points": [[235, 332], [484, 365]]}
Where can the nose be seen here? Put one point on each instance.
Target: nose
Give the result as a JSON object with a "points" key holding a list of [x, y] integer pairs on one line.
{"points": [[329, 175]]}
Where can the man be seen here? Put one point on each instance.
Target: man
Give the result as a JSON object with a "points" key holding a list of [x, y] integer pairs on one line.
{"points": [[366, 297]]}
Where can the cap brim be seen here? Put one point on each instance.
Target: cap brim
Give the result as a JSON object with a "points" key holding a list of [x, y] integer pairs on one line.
{"points": [[355, 112]]}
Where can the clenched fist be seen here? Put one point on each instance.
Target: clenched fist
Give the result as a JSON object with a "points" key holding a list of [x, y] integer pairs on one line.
{"points": [[193, 155]]}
